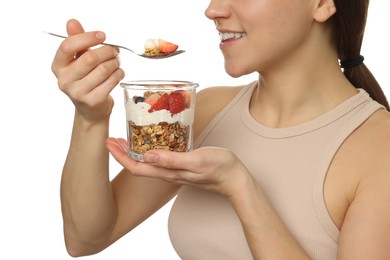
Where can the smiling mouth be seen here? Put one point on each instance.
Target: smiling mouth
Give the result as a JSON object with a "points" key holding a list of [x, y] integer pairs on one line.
{"points": [[226, 36]]}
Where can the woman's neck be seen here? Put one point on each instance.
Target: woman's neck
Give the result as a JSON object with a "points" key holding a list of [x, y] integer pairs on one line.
{"points": [[291, 99]]}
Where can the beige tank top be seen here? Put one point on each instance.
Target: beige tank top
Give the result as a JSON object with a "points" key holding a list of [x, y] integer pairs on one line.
{"points": [[289, 164]]}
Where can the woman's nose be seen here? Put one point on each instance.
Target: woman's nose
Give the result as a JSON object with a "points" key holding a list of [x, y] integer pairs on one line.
{"points": [[217, 9]]}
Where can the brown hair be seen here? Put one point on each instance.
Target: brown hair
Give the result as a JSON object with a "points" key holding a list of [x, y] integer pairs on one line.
{"points": [[350, 22]]}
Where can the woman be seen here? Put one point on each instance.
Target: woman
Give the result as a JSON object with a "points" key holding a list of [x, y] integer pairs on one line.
{"points": [[292, 166]]}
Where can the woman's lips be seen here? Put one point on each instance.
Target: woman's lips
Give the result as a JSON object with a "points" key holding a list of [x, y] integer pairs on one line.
{"points": [[224, 36], [229, 38]]}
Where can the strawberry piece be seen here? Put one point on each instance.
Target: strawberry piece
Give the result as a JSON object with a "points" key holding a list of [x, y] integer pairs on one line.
{"points": [[176, 102], [166, 47], [152, 99], [161, 103], [187, 98]]}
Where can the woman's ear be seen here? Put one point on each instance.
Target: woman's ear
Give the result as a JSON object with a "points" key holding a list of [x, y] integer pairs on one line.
{"points": [[324, 9]]}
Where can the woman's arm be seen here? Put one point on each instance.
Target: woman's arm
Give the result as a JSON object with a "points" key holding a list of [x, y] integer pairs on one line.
{"points": [[87, 77], [365, 231], [97, 212], [88, 205]]}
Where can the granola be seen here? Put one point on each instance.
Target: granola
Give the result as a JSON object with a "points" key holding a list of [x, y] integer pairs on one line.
{"points": [[173, 137]]}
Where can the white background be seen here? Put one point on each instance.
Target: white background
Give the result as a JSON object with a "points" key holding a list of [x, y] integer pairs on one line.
{"points": [[36, 117]]}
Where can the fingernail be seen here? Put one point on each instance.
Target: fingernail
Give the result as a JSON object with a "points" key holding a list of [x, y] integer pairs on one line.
{"points": [[117, 51], [100, 35], [151, 157]]}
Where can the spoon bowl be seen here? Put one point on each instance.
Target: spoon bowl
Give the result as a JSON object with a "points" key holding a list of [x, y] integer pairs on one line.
{"points": [[148, 56]]}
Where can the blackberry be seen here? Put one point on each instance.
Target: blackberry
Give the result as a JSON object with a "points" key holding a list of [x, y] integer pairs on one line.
{"points": [[139, 99]]}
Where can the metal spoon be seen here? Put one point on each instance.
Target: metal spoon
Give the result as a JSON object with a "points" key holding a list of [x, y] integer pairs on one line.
{"points": [[148, 56]]}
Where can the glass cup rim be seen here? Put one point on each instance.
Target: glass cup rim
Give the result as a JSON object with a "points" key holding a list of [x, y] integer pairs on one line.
{"points": [[151, 84]]}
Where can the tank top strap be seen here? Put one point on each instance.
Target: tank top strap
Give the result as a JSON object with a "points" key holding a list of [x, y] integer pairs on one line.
{"points": [[363, 112], [242, 97]]}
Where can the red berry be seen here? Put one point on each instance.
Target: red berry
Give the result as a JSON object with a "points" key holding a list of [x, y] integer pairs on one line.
{"points": [[166, 47], [187, 97], [176, 102], [152, 99], [161, 103]]}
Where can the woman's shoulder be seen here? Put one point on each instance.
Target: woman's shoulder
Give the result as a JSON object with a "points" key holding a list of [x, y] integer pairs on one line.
{"points": [[364, 155], [210, 101], [373, 140], [220, 95], [377, 127], [367, 168]]}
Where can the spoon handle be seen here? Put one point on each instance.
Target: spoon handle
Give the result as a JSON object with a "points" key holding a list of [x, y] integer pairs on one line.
{"points": [[108, 44]]}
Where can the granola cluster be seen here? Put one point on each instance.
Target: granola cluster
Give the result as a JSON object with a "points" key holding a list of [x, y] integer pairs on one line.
{"points": [[152, 51], [164, 136]]}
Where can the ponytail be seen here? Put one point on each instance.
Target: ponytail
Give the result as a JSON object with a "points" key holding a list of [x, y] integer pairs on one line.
{"points": [[350, 21]]}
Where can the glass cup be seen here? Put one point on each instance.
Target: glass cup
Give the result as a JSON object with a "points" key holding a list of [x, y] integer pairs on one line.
{"points": [[159, 115]]}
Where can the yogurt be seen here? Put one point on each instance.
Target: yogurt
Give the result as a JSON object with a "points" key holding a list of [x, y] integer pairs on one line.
{"points": [[139, 114]]}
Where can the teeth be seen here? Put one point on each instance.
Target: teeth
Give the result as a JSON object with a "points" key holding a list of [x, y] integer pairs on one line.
{"points": [[230, 35]]}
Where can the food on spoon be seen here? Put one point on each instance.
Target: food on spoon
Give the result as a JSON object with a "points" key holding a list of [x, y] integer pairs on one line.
{"points": [[166, 47], [159, 46]]}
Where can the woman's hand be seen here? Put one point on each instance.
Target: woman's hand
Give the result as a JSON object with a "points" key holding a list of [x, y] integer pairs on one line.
{"points": [[219, 170], [209, 168], [87, 75]]}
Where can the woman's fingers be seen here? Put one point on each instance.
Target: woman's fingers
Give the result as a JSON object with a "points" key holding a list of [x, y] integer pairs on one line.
{"points": [[170, 160], [195, 160], [210, 168], [119, 148], [91, 76], [97, 70], [73, 27], [72, 46], [87, 75], [105, 88], [103, 59], [97, 83]]}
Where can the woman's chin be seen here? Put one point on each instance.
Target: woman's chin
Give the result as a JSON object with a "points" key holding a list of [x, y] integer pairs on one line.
{"points": [[235, 71]]}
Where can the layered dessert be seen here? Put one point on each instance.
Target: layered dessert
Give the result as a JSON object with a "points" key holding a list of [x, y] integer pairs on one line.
{"points": [[160, 120]]}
